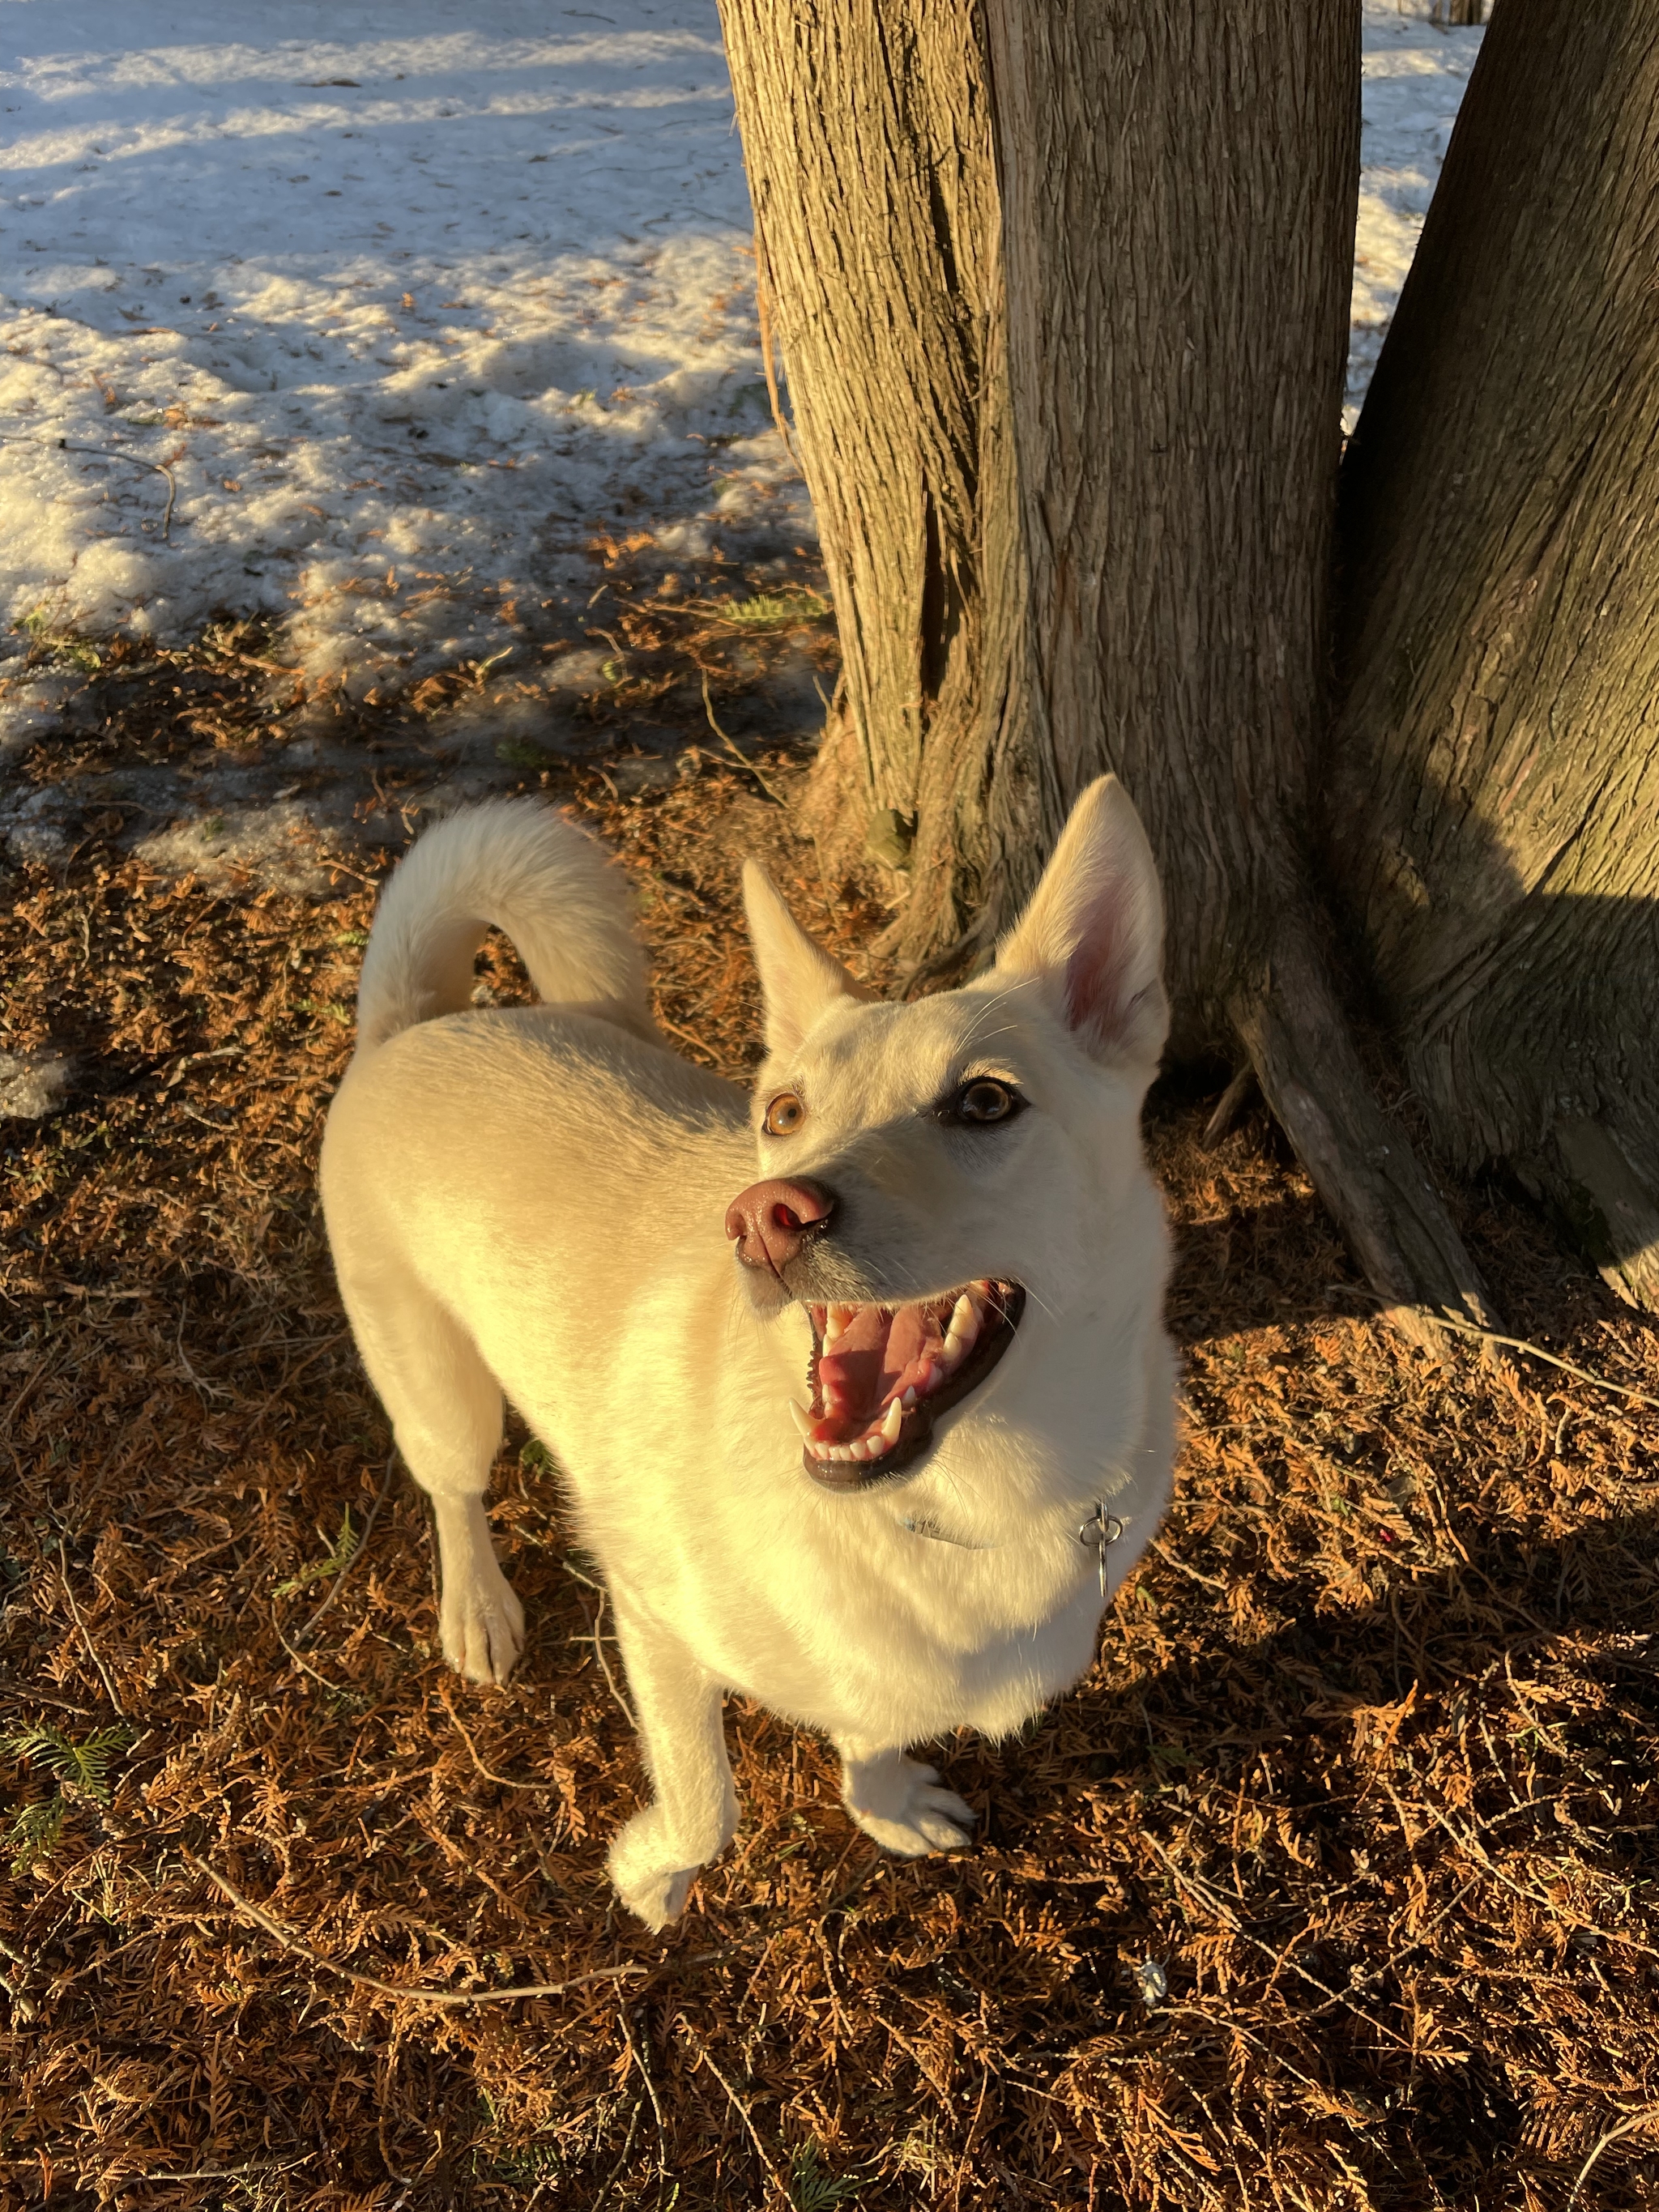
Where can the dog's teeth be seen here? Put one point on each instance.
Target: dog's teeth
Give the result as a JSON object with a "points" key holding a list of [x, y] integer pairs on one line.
{"points": [[960, 1337], [835, 1324], [894, 1422], [802, 1419], [909, 1398]]}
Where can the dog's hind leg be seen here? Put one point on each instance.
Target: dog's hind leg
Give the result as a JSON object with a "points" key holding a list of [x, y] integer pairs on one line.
{"points": [[446, 1408], [694, 1814], [898, 1801]]}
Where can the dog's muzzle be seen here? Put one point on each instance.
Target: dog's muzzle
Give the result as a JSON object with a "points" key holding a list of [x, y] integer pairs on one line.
{"points": [[880, 1377]]}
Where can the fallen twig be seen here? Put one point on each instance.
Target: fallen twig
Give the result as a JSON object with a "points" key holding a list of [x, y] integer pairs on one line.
{"points": [[650, 2090], [598, 1647], [743, 2112], [108, 1679], [416, 1992], [1628, 2127], [105, 453], [1514, 1343], [505, 1781], [1471, 1844], [1201, 1889], [770, 789]]}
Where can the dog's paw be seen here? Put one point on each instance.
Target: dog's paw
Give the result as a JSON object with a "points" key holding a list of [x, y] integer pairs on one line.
{"points": [[901, 1805], [644, 1870], [481, 1623]]}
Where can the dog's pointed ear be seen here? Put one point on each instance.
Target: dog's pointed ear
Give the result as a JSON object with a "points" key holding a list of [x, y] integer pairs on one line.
{"points": [[799, 979], [1094, 930]]}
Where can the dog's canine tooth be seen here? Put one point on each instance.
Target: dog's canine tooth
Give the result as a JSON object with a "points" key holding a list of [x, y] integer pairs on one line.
{"points": [[835, 1320], [963, 1332], [890, 1428], [802, 1419]]}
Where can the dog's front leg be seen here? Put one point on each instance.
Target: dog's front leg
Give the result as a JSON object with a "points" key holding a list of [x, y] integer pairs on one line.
{"points": [[897, 1800], [480, 1620], [691, 1819]]}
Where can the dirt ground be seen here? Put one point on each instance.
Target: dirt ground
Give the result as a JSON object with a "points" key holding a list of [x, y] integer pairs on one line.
{"points": [[1332, 1887]]}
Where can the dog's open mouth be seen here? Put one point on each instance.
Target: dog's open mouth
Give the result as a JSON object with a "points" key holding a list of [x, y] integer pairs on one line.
{"points": [[881, 1376]]}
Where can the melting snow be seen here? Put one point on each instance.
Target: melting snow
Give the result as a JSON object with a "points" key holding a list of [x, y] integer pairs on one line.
{"points": [[405, 311]]}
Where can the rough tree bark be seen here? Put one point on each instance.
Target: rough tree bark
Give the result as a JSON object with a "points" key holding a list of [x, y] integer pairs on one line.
{"points": [[1494, 811], [867, 140], [1179, 189], [1082, 520]]}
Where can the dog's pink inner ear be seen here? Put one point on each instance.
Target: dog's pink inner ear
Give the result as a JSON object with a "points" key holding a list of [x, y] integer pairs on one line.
{"points": [[1094, 930], [1101, 978]]}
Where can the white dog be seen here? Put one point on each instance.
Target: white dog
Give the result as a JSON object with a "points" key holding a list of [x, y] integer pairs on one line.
{"points": [[862, 1396]]}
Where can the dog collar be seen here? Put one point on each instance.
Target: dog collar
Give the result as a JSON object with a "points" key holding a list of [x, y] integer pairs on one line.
{"points": [[1098, 1533]]}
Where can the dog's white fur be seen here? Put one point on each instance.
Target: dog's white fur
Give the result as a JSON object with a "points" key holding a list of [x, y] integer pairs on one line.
{"points": [[530, 1201]]}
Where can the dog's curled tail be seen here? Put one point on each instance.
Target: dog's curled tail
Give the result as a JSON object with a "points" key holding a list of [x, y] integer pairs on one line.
{"points": [[515, 866]]}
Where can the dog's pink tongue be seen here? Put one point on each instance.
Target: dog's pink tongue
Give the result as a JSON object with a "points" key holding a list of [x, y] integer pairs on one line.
{"points": [[877, 1357], [914, 1334], [850, 1374]]}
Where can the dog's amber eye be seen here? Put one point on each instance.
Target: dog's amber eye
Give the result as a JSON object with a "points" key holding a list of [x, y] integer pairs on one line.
{"points": [[784, 1114], [984, 1100]]}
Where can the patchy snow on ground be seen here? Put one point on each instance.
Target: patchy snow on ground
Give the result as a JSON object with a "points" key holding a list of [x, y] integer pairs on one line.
{"points": [[1415, 73], [368, 318], [397, 307]]}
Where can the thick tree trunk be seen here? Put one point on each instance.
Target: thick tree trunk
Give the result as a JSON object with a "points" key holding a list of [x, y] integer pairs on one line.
{"points": [[1082, 520], [1178, 187], [866, 135], [1494, 809]]}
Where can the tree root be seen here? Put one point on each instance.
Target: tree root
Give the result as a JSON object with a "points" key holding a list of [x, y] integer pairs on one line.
{"points": [[1361, 1166]]}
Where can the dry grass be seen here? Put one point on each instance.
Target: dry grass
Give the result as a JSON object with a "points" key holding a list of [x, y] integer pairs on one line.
{"points": [[1330, 1887]]}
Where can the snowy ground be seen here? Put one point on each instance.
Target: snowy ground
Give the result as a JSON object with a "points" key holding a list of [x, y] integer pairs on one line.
{"points": [[409, 301], [1415, 74], [369, 317]]}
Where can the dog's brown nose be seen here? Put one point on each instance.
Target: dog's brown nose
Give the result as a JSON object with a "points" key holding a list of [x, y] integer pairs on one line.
{"points": [[772, 1221]]}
